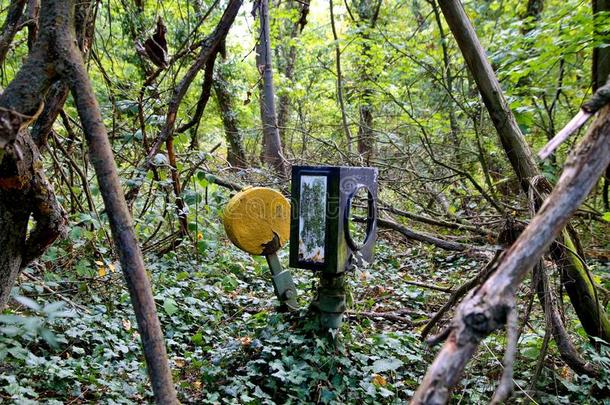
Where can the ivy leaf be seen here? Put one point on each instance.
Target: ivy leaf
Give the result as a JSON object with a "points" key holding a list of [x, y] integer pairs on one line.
{"points": [[27, 302], [384, 365], [170, 307]]}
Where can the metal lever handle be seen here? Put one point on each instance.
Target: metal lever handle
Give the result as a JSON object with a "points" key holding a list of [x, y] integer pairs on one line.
{"points": [[283, 285]]}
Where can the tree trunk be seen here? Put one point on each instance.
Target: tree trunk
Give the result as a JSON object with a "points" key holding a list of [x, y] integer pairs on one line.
{"points": [[366, 138], [348, 134], [368, 12], [272, 144], [513, 141], [515, 146], [24, 190], [236, 154], [100, 154], [10, 27], [13, 226], [601, 55], [290, 59], [601, 71], [489, 307], [448, 79]]}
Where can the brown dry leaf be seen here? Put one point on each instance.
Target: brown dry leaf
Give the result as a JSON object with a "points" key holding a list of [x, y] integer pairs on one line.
{"points": [[566, 373], [379, 380], [378, 290]]}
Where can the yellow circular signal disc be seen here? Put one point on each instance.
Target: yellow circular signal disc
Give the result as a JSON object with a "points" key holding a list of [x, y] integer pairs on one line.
{"points": [[257, 220]]}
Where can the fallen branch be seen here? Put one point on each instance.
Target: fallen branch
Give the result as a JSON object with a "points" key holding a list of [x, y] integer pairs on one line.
{"points": [[428, 286], [548, 301], [55, 293], [393, 316], [436, 222], [423, 237]]}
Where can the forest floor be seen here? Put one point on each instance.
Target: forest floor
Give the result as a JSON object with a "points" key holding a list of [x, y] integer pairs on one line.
{"points": [[75, 339]]}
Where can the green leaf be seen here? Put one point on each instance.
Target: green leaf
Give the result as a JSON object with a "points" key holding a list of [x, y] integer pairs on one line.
{"points": [[170, 307], [27, 302], [384, 365]]}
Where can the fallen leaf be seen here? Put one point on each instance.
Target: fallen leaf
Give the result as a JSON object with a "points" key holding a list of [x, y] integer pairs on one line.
{"points": [[379, 380]]}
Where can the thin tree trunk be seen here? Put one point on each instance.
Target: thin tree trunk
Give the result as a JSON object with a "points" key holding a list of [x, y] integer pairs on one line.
{"points": [[601, 55], [368, 12], [513, 141], [366, 138], [600, 74], [33, 11], [10, 27], [236, 154], [272, 144], [284, 99], [348, 134], [24, 190], [73, 70], [448, 78]]}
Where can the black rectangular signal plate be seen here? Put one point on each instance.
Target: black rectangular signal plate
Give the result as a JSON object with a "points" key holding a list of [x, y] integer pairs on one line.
{"points": [[319, 200]]}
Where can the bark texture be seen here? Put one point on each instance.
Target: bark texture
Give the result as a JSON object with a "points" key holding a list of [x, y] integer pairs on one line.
{"points": [[24, 189], [102, 159], [272, 144], [236, 154]]}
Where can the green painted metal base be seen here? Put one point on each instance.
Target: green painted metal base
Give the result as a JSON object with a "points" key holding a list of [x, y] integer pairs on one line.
{"points": [[330, 301]]}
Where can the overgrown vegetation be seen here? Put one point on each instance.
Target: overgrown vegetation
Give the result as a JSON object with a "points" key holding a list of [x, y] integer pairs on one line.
{"points": [[401, 99]]}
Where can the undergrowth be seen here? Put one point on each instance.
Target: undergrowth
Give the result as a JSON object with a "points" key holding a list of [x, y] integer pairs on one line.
{"points": [[227, 343]]}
